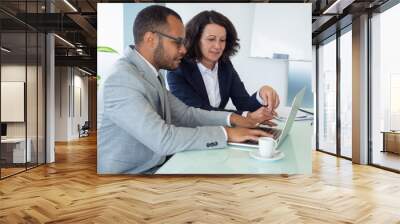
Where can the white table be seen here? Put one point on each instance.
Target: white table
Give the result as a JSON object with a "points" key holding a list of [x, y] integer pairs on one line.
{"points": [[236, 160], [19, 153]]}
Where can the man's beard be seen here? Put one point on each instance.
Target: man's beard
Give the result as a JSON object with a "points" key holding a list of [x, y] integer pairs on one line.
{"points": [[161, 60]]}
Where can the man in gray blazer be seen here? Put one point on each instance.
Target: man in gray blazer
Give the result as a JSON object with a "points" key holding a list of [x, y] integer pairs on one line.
{"points": [[140, 122]]}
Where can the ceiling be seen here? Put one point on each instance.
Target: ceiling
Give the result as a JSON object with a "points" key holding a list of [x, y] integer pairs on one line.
{"points": [[76, 23]]}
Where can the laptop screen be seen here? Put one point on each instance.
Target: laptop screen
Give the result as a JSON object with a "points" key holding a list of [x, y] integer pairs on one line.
{"points": [[288, 124]]}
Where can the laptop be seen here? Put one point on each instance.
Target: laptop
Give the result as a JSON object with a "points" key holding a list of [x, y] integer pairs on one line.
{"points": [[278, 134]]}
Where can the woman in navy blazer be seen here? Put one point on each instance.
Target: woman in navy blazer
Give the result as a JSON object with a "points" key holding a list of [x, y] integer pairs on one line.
{"points": [[206, 77]]}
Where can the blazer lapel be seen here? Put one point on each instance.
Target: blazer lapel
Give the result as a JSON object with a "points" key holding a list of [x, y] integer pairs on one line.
{"points": [[148, 75], [223, 85], [167, 108], [196, 80]]}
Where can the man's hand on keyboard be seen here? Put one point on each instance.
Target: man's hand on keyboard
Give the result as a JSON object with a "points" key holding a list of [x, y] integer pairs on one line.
{"points": [[243, 122], [244, 134], [269, 123]]}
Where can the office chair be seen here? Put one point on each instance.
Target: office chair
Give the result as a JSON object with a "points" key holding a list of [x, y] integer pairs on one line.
{"points": [[84, 130]]}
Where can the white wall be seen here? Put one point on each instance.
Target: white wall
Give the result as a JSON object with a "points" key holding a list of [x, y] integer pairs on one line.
{"points": [[290, 36], [84, 81], [254, 72], [110, 33], [12, 101], [79, 117], [33, 126], [61, 103], [12, 73], [68, 83], [15, 72]]}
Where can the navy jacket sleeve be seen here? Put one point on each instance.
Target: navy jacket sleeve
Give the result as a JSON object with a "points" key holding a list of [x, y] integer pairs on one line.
{"points": [[239, 95]]}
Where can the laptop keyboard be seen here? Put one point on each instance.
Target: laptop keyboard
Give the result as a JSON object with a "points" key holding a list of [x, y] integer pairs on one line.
{"points": [[275, 134]]}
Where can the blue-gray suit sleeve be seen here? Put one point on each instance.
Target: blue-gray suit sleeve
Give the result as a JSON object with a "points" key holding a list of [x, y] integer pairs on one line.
{"points": [[128, 106]]}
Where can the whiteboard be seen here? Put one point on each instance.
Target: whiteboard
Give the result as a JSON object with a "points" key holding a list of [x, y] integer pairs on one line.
{"points": [[12, 101], [282, 29]]}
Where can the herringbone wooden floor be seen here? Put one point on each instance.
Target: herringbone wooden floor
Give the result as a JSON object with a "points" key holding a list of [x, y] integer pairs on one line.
{"points": [[70, 191]]}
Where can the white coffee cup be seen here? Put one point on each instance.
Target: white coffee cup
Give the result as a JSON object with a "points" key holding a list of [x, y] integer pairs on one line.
{"points": [[267, 146]]}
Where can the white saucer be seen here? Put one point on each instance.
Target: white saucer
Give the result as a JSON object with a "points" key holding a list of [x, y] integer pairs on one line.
{"points": [[277, 156]]}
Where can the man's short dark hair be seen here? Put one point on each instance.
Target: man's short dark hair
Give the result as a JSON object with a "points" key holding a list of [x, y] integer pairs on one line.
{"points": [[152, 18], [195, 28]]}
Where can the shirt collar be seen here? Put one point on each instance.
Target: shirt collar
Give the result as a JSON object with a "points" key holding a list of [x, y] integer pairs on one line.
{"points": [[148, 63], [204, 69]]}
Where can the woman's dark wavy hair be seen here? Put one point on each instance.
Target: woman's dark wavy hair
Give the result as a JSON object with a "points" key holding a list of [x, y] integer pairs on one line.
{"points": [[195, 28]]}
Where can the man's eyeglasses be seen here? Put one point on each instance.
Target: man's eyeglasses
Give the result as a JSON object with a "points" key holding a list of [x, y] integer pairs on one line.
{"points": [[179, 41]]}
